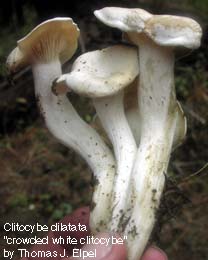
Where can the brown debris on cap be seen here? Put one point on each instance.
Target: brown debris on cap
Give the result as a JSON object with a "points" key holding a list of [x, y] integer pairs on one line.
{"points": [[164, 30], [101, 73]]}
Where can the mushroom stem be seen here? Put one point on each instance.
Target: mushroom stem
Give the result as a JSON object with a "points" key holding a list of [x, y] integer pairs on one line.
{"points": [[111, 113], [133, 118], [66, 125], [158, 115], [103, 75]]}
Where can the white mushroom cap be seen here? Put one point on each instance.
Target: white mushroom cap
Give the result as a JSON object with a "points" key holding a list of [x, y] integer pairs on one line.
{"points": [[165, 30], [52, 39], [16, 60], [181, 127], [101, 73], [125, 19], [168, 30]]}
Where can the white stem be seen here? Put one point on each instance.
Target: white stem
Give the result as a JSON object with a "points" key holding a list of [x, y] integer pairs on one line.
{"points": [[111, 113], [158, 116], [66, 125], [133, 117]]}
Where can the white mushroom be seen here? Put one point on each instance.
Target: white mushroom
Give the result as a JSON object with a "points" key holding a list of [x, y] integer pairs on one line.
{"points": [[45, 48], [102, 75], [156, 37]]}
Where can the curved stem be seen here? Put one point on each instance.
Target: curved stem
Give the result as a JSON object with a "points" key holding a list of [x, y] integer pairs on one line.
{"points": [[158, 115], [111, 113], [66, 125], [151, 165]]}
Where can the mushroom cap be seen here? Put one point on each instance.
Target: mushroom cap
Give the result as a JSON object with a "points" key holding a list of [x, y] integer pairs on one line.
{"points": [[168, 30], [164, 30], [181, 126], [101, 73], [125, 19], [52, 39], [16, 60]]}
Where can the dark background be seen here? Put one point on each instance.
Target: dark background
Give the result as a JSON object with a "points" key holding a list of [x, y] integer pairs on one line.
{"points": [[41, 181]]}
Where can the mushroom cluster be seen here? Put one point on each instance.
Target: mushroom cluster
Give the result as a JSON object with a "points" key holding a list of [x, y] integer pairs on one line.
{"points": [[132, 90]]}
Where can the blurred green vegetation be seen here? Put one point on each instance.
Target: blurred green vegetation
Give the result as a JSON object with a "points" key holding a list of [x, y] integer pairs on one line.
{"points": [[199, 6], [193, 6], [13, 32]]}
